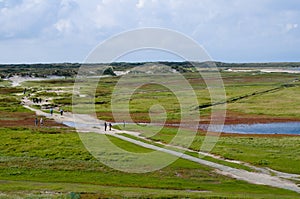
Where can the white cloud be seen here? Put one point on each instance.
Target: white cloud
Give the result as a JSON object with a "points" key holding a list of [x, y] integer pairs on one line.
{"points": [[290, 26], [140, 4], [26, 19], [240, 25], [63, 26], [67, 7]]}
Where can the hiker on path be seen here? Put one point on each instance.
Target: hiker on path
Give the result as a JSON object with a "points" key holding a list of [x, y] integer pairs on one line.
{"points": [[51, 111], [61, 112], [41, 121], [36, 121], [110, 126], [105, 126]]}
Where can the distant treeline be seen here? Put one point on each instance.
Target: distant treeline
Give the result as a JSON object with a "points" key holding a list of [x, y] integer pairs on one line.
{"points": [[39, 70], [259, 65], [70, 69]]}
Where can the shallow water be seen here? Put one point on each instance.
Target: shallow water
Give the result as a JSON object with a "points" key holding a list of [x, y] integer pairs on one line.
{"points": [[289, 128], [292, 128], [80, 125]]}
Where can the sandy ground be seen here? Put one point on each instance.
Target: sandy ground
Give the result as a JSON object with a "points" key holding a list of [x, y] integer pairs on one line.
{"points": [[265, 70], [279, 71], [17, 80]]}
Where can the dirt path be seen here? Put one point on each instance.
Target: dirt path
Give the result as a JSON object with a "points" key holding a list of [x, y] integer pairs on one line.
{"points": [[87, 123]]}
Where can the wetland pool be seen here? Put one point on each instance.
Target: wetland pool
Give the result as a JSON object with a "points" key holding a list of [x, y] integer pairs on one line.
{"points": [[287, 128], [290, 128]]}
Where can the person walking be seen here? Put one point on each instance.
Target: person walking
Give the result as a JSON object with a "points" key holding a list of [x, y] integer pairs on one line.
{"points": [[110, 126], [36, 121], [41, 121], [105, 126], [51, 111], [61, 112]]}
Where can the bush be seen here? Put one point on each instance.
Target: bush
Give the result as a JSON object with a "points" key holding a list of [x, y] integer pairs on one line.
{"points": [[109, 71]]}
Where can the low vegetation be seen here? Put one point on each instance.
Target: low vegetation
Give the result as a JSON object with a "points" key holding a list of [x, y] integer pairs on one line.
{"points": [[51, 162], [273, 95], [55, 160], [278, 153]]}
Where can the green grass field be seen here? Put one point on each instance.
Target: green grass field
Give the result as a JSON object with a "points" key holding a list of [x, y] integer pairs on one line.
{"points": [[52, 162], [279, 153], [279, 103], [56, 160]]}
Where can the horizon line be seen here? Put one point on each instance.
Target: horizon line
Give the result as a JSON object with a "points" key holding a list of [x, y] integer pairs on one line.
{"points": [[144, 62]]}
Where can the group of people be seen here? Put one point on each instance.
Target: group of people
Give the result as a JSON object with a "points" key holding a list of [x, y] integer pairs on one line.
{"points": [[37, 121], [37, 100], [41, 120], [61, 111], [107, 125]]}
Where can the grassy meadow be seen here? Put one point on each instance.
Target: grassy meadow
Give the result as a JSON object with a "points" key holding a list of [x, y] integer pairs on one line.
{"points": [[279, 103], [52, 162], [56, 160], [278, 153]]}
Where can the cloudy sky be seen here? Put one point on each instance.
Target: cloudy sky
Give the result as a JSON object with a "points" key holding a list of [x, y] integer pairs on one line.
{"points": [[230, 30]]}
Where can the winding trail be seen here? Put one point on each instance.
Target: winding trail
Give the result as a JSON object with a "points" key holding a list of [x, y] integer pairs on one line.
{"points": [[87, 123]]}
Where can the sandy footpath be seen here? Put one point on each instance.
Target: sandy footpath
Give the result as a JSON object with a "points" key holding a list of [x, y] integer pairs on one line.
{"points": [[18, 80]]}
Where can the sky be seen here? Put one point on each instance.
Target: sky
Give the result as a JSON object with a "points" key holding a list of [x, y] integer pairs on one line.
{"points": [[44, 31]]}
